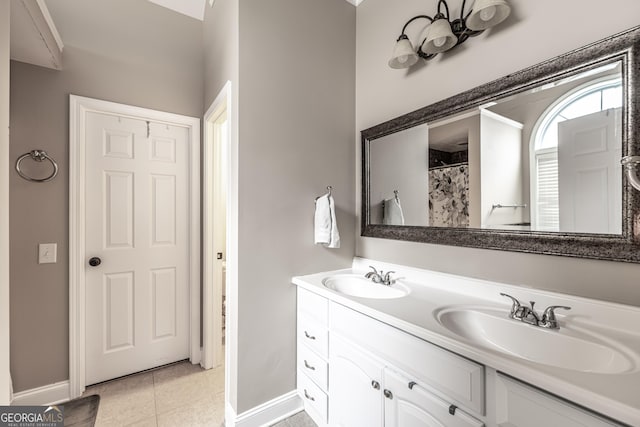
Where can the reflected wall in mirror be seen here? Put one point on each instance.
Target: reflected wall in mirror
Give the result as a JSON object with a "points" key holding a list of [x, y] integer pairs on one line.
{"points": [[517, 161]]}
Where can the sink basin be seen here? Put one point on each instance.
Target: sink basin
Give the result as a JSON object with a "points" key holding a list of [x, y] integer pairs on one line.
{"points": [[358, 286], [568, 348]]}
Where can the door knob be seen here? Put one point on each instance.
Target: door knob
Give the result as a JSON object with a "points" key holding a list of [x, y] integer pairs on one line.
{"points": [[95, 261]]}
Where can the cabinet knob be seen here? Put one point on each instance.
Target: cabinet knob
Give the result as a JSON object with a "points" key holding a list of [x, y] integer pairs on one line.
{"points": [[388, 394], [311, 398], [375, 384], [306, 365], [311, 337], [412, 384]]}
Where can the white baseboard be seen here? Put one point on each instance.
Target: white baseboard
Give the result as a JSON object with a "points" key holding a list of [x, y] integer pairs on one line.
{"points": [[266, 414], [45, 395]]}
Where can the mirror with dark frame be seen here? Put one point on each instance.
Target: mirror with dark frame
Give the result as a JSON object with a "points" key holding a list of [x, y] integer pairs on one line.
{"points": [[530, 162]]}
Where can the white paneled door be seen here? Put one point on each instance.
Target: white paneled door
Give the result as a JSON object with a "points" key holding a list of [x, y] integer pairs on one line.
{"points": [[590, 173], [137, 245]]}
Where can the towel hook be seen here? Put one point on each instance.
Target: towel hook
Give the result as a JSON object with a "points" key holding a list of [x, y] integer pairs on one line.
{"points": [[38, 156], [329, 188], [395, 193]]}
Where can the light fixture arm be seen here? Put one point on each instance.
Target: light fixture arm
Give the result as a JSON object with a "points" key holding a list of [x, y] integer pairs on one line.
{"points": [[415, 18], [446, 6], [462, 16], [631, 164]]}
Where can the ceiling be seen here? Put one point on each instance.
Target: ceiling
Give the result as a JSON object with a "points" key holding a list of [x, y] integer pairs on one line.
{"points": [[195, 8], [192, 8]]}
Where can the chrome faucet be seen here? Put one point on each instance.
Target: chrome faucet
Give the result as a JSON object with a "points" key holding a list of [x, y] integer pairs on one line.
{"points": [[381, 277], [528, 314]]}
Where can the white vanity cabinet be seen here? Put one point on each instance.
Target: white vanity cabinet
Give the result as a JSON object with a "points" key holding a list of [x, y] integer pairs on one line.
{"points": [[349, 372], [313, 354], [356, 371], [355, 397], [458, 380], [518, 404], [418, 407], [364, 392]]}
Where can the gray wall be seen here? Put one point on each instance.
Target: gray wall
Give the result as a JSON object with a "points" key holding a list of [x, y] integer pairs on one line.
{"points": [[530, 35], [220, 44], [5, 395], [108, 55], [297, 92], [501, 170], [400, 161]]}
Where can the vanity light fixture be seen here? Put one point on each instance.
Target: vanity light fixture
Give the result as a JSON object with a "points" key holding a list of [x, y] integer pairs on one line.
{"points": [[631, 164], [444, 34]]}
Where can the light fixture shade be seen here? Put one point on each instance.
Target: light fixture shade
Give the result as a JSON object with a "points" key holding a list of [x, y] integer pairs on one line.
{"points": [[404, 55], [439, 37], [487, 13]]}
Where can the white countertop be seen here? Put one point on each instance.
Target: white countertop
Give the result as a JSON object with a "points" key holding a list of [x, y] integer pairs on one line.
{"points": [[613, 395]]}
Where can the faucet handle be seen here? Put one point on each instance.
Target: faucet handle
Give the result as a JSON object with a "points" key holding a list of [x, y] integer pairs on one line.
{"points": [[374, 269], [549, 316], [515, 306], [386, 276]]}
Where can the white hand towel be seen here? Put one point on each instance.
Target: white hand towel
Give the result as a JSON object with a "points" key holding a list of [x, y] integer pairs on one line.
{"points": [[326, 227], [393, 214]]}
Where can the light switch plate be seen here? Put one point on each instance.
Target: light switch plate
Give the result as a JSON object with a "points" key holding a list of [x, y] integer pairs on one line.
{"points": [[47, 253]]}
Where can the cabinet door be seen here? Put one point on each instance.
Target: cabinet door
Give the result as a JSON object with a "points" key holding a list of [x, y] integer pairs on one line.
{"points": [[519, 404], [417, 407], [355, 378]]}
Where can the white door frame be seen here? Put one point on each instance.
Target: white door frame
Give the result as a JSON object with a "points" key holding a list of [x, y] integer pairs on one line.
{"points": [[79, 107], [212, 355]]}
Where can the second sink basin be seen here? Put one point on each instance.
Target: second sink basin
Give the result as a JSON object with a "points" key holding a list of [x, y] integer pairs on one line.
{"points": [[568, 348], [358, 286]]}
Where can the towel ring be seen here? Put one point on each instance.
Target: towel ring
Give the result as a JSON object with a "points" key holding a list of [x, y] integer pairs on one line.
{"points": [[38, 156]]}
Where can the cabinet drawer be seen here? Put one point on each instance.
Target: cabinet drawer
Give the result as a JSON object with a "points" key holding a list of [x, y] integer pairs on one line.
{"points": [[313, 366], [313, 306], [313, 334], [312, 396], [458, 379], [519, 404]]}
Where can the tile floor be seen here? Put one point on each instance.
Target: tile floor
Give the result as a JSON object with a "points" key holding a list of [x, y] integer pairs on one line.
{"points": [[181, 394], [300, 419]]}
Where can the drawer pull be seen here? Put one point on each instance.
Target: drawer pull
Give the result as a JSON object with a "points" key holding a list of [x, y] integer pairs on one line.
{"points": [[388, 394], [306, 365], [311, 398], [311, 337], [412, 384], [375, 384], [452, 409]]}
